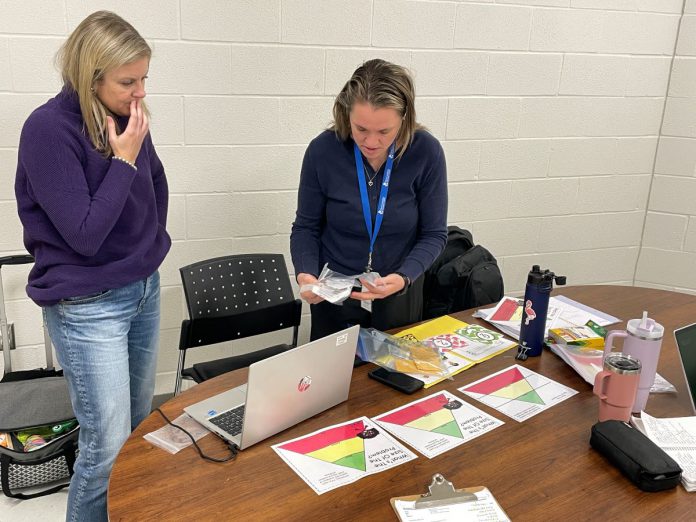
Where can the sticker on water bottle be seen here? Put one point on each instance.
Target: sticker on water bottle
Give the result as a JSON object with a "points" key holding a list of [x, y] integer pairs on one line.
{"points": [[529, 310]]}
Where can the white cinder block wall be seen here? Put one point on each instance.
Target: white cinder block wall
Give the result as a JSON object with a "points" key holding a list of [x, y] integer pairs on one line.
{"points": [[549, 112], [668, 253]]}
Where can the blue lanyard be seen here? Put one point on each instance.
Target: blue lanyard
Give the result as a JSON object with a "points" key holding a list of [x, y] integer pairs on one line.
{"points": [[372, 233]]}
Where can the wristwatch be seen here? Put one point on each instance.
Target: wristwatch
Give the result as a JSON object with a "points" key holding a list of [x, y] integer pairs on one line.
{"points": [[407, 283]]}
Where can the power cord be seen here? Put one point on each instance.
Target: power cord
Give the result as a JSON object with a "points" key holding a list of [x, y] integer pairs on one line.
{"points": [[234, 449]]}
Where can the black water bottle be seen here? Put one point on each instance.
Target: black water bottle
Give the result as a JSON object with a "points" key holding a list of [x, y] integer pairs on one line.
{"points": [[535, 308]]}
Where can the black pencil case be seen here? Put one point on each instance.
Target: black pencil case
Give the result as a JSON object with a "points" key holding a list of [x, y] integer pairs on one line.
{"points": [[636, 456]]}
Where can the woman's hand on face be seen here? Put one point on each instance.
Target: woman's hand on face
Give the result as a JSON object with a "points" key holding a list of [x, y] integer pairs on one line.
{"points": [[308, 295], [127, 144], [382, 287]]}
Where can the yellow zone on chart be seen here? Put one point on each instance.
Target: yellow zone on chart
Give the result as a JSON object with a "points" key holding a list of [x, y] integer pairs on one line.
{"points": [[514, 390], [339, 450], [432, 420]]}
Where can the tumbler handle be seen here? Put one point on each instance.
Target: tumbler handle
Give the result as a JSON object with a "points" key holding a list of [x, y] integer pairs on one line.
{"points": [[609, 340], [599, 384]]}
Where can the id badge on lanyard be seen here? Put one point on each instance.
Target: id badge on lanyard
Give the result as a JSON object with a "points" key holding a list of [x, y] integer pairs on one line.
{"points": [[372, 232]]}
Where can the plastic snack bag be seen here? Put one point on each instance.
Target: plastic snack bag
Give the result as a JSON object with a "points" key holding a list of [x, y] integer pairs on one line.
{"points": [[401, 355]]}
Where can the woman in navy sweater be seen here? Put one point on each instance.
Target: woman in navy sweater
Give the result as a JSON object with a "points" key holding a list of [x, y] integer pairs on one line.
{"points": [[92, 197], [372, 197]]}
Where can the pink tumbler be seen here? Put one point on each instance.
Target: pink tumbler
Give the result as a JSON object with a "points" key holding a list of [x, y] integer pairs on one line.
{"points": [[616, 386], [642, 341]]}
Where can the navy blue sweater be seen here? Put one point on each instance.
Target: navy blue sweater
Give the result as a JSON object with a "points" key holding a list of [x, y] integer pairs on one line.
{"points": [[91, 222], [329, 226]]}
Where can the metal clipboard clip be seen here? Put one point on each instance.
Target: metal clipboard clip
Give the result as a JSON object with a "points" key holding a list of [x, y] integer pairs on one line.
{"points": [[442, 493]]}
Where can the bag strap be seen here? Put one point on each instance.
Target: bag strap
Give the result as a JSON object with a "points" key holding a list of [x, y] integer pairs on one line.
{"points": [[8, 260], [48, 348], [5, 461], [69, 452]]}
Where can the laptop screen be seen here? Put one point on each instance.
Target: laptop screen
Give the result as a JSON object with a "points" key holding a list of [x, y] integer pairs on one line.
{"points": [[686, 344]]}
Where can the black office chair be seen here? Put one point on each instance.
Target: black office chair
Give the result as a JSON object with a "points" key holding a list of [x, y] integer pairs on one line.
{"points": [[230, 298]]}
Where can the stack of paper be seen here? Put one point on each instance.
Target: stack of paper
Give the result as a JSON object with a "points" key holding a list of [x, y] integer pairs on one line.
{"points": [[563, 313], [588, 367], [677, 438]]}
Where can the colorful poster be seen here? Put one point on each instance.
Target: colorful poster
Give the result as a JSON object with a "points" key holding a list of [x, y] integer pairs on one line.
{"points": [[518, 392], [437, 423], [341, 454], [461, 344]]}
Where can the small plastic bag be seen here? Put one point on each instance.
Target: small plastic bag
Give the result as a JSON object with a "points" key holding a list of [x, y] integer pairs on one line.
{"points": [[172, 439], [371, 278], [334, 287], [400, 355]]}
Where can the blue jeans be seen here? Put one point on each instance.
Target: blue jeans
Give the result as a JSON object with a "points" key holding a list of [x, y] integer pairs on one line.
{"points": [[107, 346]]}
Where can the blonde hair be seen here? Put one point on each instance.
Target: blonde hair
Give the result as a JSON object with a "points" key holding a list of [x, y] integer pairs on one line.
{"points": [[383, 85], [101, 43]]}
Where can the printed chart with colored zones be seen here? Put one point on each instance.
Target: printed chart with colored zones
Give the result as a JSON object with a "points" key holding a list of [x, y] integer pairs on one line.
{"points": [[518, 392], [341, 454], [437, 423]]}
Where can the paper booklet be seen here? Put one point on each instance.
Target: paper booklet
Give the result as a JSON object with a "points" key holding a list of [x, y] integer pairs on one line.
{"points": [[563, 312], [677, 437], [462, 344]]}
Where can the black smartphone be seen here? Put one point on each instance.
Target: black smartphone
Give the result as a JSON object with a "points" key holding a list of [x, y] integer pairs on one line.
{"points": [[358, 362], [399, 381]]}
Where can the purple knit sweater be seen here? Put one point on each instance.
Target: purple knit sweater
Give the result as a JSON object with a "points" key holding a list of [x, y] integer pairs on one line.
{"points": [[92, 223]]}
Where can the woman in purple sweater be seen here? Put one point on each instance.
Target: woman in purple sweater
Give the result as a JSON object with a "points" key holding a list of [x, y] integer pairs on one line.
{"points": [[92, 197]]}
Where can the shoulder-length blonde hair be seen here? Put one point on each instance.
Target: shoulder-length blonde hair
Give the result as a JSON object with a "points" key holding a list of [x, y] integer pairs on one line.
{"points": [[101, 43], [383, 85]]}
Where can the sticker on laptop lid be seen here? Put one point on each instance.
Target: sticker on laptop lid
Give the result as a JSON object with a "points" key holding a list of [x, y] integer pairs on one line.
{"points": [[341, 339]]}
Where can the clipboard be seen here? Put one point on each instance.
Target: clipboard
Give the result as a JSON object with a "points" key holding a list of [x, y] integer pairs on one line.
{"points": [[441, 493]]}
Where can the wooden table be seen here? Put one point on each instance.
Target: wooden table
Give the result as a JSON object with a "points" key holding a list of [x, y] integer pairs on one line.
{"points": [[540, 469]]}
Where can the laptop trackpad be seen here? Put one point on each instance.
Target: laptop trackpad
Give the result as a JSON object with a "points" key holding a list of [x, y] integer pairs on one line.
{"points": [[239, 396], [235, 397], [219, 403]]}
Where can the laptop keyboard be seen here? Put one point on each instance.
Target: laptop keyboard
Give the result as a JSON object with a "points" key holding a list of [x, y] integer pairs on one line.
{"points": [[231, 420]]}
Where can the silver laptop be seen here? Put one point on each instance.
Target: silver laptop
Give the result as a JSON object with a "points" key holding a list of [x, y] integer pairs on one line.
{"points": [[282, 390], [686, 346]]}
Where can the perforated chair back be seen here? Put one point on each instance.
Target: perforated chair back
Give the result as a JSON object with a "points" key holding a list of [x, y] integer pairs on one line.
{"points": [[234, 297]]}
